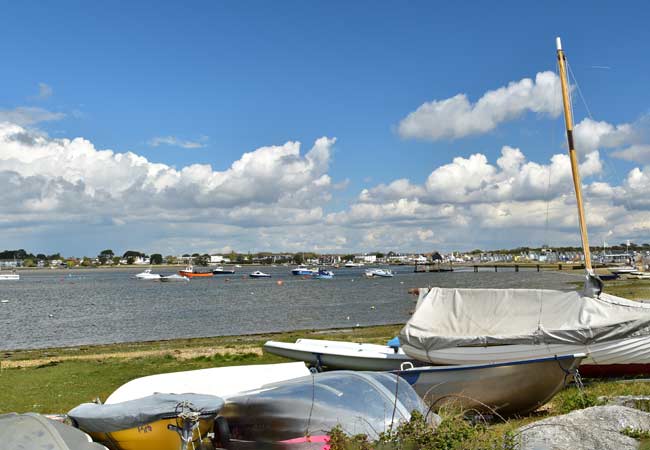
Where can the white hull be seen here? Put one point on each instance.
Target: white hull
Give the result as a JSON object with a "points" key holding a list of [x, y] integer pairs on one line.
{"points": [[174, 278], [219, 381], [9, 277], [147, 275], [508, 388], [340, 355]]}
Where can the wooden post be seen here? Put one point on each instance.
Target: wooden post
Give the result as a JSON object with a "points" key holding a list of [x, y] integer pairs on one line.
{"points": [[495, 267], [516, 267], [538, 267]]}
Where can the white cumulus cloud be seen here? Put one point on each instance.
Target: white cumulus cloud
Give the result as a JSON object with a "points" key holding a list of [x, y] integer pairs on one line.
{"points": [[457, 117]]}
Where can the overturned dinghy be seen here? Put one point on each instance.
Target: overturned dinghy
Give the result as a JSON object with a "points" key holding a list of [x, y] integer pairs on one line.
{"points": [[34, 431], [218, 381], [360, 402], [156, 422]]}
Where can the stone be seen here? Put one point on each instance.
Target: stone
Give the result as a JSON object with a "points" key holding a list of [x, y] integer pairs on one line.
{"points": [[595, 428]]}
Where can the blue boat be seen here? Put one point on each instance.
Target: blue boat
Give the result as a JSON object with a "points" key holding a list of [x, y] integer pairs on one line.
{"points": [[324, 275], [304, 270]]}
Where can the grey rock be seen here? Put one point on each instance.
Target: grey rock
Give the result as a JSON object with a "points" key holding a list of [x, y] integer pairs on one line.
{"points": [[641, 402], [595, 428]]}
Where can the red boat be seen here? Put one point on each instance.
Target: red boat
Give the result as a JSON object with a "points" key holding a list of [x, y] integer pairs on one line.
{"points": [[190, 273]]}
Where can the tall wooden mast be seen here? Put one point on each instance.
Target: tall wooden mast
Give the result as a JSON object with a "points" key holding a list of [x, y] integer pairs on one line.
{"points": [[568, 119]]}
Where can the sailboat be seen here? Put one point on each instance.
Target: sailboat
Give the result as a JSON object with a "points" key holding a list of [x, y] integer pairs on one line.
{"points": [[473, 326]]}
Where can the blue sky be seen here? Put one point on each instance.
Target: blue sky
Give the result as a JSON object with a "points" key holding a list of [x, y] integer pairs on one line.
{"points": [[228, 78]]}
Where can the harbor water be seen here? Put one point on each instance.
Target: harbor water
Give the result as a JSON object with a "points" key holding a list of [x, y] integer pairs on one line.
{"points": [[79, 307]]}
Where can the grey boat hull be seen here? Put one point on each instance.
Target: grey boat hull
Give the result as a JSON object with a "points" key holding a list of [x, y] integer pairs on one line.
{"points": [[506, 388]]}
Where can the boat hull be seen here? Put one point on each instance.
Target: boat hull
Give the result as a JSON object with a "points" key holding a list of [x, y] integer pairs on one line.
{"points": [[151, 436], [9, 277], [507, 388], [630, 356], [340, 355], [194, 274]]}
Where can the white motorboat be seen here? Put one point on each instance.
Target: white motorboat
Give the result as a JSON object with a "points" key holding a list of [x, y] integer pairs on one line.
{"points": [[220, 270], [380, 273], [174, 278], [9, 277], [148, 275], [353, 264], [258, 274]]}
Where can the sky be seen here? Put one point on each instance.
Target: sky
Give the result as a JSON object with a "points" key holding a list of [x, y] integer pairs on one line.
{"points": [[210, 126]]}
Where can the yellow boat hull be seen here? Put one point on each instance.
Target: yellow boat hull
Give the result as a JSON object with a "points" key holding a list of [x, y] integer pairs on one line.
{"points": [[152, 436]]}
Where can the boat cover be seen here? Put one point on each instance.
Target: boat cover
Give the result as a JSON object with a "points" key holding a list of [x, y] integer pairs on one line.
{"points": [[446, 318], [97, 418], [32, 431], [361, 402]]}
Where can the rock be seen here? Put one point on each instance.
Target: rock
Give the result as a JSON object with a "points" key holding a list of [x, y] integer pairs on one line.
{"points": [[641, 402], [595, 428]]}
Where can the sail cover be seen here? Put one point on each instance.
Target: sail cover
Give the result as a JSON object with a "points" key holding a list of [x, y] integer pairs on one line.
{"points": [[447, 318]]}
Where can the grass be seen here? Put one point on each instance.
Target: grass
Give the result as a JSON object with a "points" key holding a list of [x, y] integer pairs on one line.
{"points": [[55, 380]]}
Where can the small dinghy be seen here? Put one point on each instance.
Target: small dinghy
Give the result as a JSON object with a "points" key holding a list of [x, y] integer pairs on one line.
{"points": [[340, 355], [379, 273], [258, 274], [34, 431], [155, 422]]}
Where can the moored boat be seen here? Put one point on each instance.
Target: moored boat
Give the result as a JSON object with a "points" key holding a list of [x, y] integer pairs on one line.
{"points": [[9, 277], [323, 274], [258, 274], [191, 273], [353, 264], [380, 273], [148, 275], [220, 270], [174, 278], [303, 270]]}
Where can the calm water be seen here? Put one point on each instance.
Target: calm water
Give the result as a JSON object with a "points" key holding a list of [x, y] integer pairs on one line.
{"points": [[67, 308]]}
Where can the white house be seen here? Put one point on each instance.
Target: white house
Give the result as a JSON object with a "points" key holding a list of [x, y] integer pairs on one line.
{"points": [[219, 259]]}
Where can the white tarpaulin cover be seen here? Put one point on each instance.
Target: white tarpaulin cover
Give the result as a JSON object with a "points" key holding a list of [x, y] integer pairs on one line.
{"points": [[468, 317]]}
